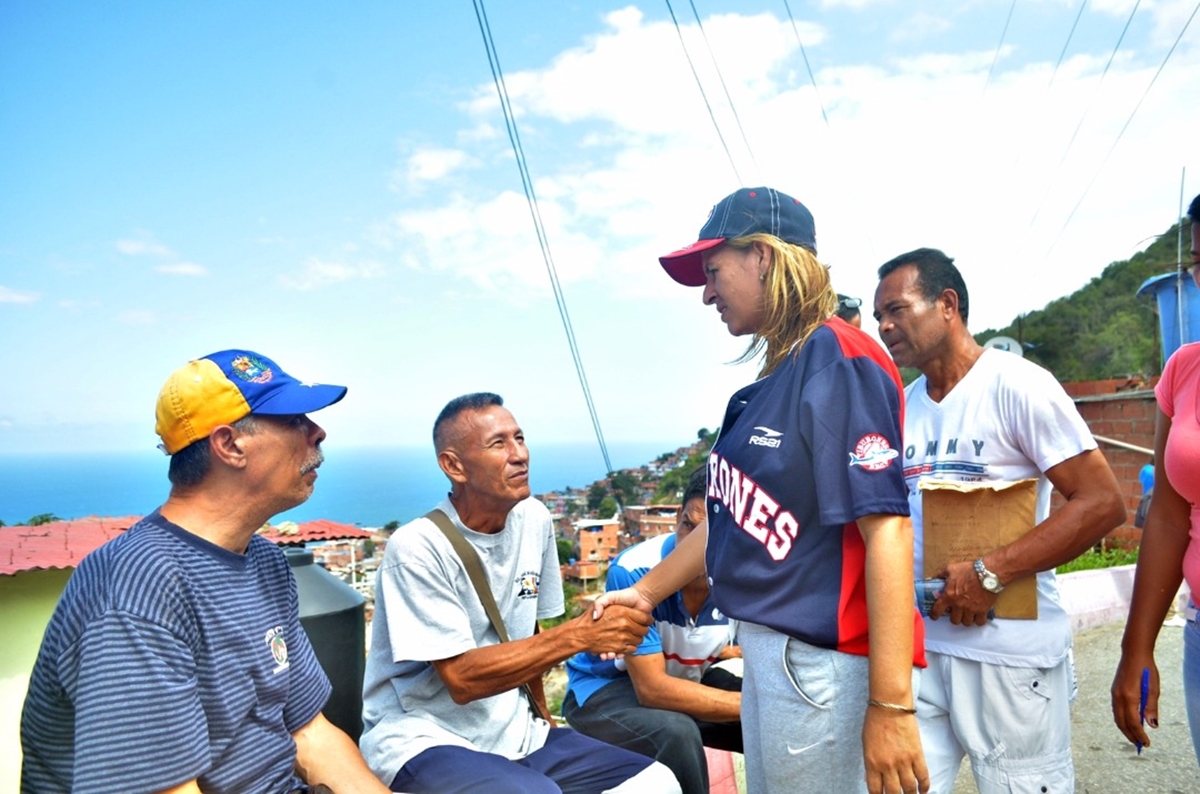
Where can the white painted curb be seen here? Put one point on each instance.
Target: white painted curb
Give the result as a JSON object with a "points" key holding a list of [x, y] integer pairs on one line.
{"points": [[1096, 597]]}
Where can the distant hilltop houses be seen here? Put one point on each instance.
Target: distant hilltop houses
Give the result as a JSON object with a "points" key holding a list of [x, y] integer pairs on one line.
{"points": [[596, 523]]}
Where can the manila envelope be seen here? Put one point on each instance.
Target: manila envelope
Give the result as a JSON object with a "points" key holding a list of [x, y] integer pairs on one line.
{"points": [[965, 520]]}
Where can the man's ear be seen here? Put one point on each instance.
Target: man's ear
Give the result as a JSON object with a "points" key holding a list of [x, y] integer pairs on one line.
{"points": [[227, 446], [452, 466], [949, 301]]}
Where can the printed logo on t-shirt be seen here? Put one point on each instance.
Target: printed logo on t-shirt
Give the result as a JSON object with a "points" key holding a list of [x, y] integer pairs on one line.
{"points": [[278, 645], [769, 438], [873, 453], [527, 585]]}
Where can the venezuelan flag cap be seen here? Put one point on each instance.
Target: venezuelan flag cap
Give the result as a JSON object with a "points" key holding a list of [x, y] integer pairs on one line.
{"points": [[223, 387]]}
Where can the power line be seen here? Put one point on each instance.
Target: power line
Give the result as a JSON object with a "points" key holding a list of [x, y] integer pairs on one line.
{"points": [[514, 138], [721, 77], [692, 66], [1067, 43], [1096, 92], [804, 54], [1128, 121], [999, 45]]}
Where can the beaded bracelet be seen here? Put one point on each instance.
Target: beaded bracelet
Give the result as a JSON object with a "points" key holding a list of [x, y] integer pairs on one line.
{"points": [[891, 706]]}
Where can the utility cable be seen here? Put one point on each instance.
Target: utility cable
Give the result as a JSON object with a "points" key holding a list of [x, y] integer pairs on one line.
{"points": [[999, 45], [724, 87], [1128, 121], [514, 138], [1067, 43], [804, 54], [696, 76], [1095, 92]]}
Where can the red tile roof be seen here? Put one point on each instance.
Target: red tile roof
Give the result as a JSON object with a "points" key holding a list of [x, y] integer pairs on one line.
{"points": [[289, 533], [62, 544]]}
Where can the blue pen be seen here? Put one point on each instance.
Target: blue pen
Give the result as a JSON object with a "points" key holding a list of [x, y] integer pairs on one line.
{"points": [[1142, 703]]}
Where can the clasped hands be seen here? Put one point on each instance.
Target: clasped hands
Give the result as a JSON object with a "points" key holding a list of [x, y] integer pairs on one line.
{"points": [[628, 601]]}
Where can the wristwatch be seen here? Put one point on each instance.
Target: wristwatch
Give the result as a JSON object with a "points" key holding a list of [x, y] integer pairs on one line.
{"points": [[989, 580]]}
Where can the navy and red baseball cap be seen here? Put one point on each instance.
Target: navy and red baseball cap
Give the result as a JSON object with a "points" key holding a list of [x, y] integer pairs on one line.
{"points": [[748, 211], [223, 387]]}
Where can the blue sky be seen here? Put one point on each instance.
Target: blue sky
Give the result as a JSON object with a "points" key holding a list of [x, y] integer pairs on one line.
{"points": [[332, 186]]}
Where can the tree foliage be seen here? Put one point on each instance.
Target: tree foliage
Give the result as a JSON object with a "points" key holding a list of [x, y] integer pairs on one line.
{"points": [[672, 484], [566, 551], [1103, 330], [625, 487], [596, 494], [42, 518]]}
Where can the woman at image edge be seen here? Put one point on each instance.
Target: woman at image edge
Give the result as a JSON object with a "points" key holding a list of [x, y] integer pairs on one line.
{"points": [[810, 544], [1170, 547]]}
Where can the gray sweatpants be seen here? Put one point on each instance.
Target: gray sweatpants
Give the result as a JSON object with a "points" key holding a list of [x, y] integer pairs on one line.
{"points": [[802, 714]]}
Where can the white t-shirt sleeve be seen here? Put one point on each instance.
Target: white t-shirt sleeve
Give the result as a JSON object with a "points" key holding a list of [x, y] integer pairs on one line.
{"points": [[1048, 428], [550, 590], [426, 618]]}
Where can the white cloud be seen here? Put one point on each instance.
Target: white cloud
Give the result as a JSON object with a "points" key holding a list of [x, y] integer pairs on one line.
{"points": [[138, 317], [74, 304], [430, 164], [145, 245], [9, 295], [479, 133], [317, 274], [183, 269], [915, 154], [856, 5], [919, 26]]}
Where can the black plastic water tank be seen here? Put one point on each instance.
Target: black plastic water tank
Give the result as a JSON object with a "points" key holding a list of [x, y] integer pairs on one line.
{"points": [[331, 613]]}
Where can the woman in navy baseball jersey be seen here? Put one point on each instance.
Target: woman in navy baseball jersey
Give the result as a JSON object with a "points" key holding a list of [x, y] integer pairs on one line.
{"points": [[808, 538]]}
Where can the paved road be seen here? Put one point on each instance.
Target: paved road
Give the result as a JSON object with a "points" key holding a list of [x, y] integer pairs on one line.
{"points": [[1105, 763]]}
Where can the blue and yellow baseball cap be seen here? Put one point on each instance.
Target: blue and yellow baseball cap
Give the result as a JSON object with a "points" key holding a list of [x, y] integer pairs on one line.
{"points": [[223, 387]]}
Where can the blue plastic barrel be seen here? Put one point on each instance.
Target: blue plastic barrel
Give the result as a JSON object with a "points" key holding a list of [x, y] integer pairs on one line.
{"points": [[1172, 290]]}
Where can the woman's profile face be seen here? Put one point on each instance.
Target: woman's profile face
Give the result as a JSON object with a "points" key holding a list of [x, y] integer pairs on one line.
{"points": [[735, 285]]}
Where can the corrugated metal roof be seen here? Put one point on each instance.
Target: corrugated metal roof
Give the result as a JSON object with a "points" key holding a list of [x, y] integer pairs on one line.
{"points": [[59, 544], [62, 544], [289, 533]]}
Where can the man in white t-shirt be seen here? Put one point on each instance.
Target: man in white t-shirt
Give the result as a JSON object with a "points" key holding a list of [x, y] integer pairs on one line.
{"points": [[444, 706], [996, 690]]}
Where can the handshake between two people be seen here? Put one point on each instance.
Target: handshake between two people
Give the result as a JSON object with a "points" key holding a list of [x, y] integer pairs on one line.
{"points": [[619, 610]]}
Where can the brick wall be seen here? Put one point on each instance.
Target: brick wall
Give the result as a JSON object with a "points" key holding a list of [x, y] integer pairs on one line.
{"points": [[1124, 416]]}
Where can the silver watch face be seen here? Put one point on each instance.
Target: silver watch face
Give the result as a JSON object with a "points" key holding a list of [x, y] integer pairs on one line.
{"points": [[990, 582]]}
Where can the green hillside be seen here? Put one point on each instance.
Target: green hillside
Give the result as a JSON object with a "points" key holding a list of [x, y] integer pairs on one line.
{"points": [[1102, 330]]}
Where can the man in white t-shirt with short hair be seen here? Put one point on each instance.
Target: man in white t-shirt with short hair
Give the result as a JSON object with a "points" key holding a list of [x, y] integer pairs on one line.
{"points": [[444, 709], [996, 690]]}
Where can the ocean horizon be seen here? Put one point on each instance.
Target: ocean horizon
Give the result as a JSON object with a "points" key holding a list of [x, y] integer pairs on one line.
{"points": [[364, 486]]}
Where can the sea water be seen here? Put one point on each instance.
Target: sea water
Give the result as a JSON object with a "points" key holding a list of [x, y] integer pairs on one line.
{"points": [[364, 486]]}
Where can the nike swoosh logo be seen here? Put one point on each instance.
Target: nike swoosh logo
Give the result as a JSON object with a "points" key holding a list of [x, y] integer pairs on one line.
{"points": [[798, 750]]}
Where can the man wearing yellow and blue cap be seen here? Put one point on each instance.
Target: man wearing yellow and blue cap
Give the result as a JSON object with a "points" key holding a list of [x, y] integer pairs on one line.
{"points": [[175, 660]]}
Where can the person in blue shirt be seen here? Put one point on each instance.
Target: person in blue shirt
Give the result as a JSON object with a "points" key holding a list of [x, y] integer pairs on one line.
{"points": [[1146, 478], [666, 700]]}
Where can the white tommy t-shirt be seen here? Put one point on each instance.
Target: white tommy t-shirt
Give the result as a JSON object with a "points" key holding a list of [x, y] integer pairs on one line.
{"points": [[1007, 419]]}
